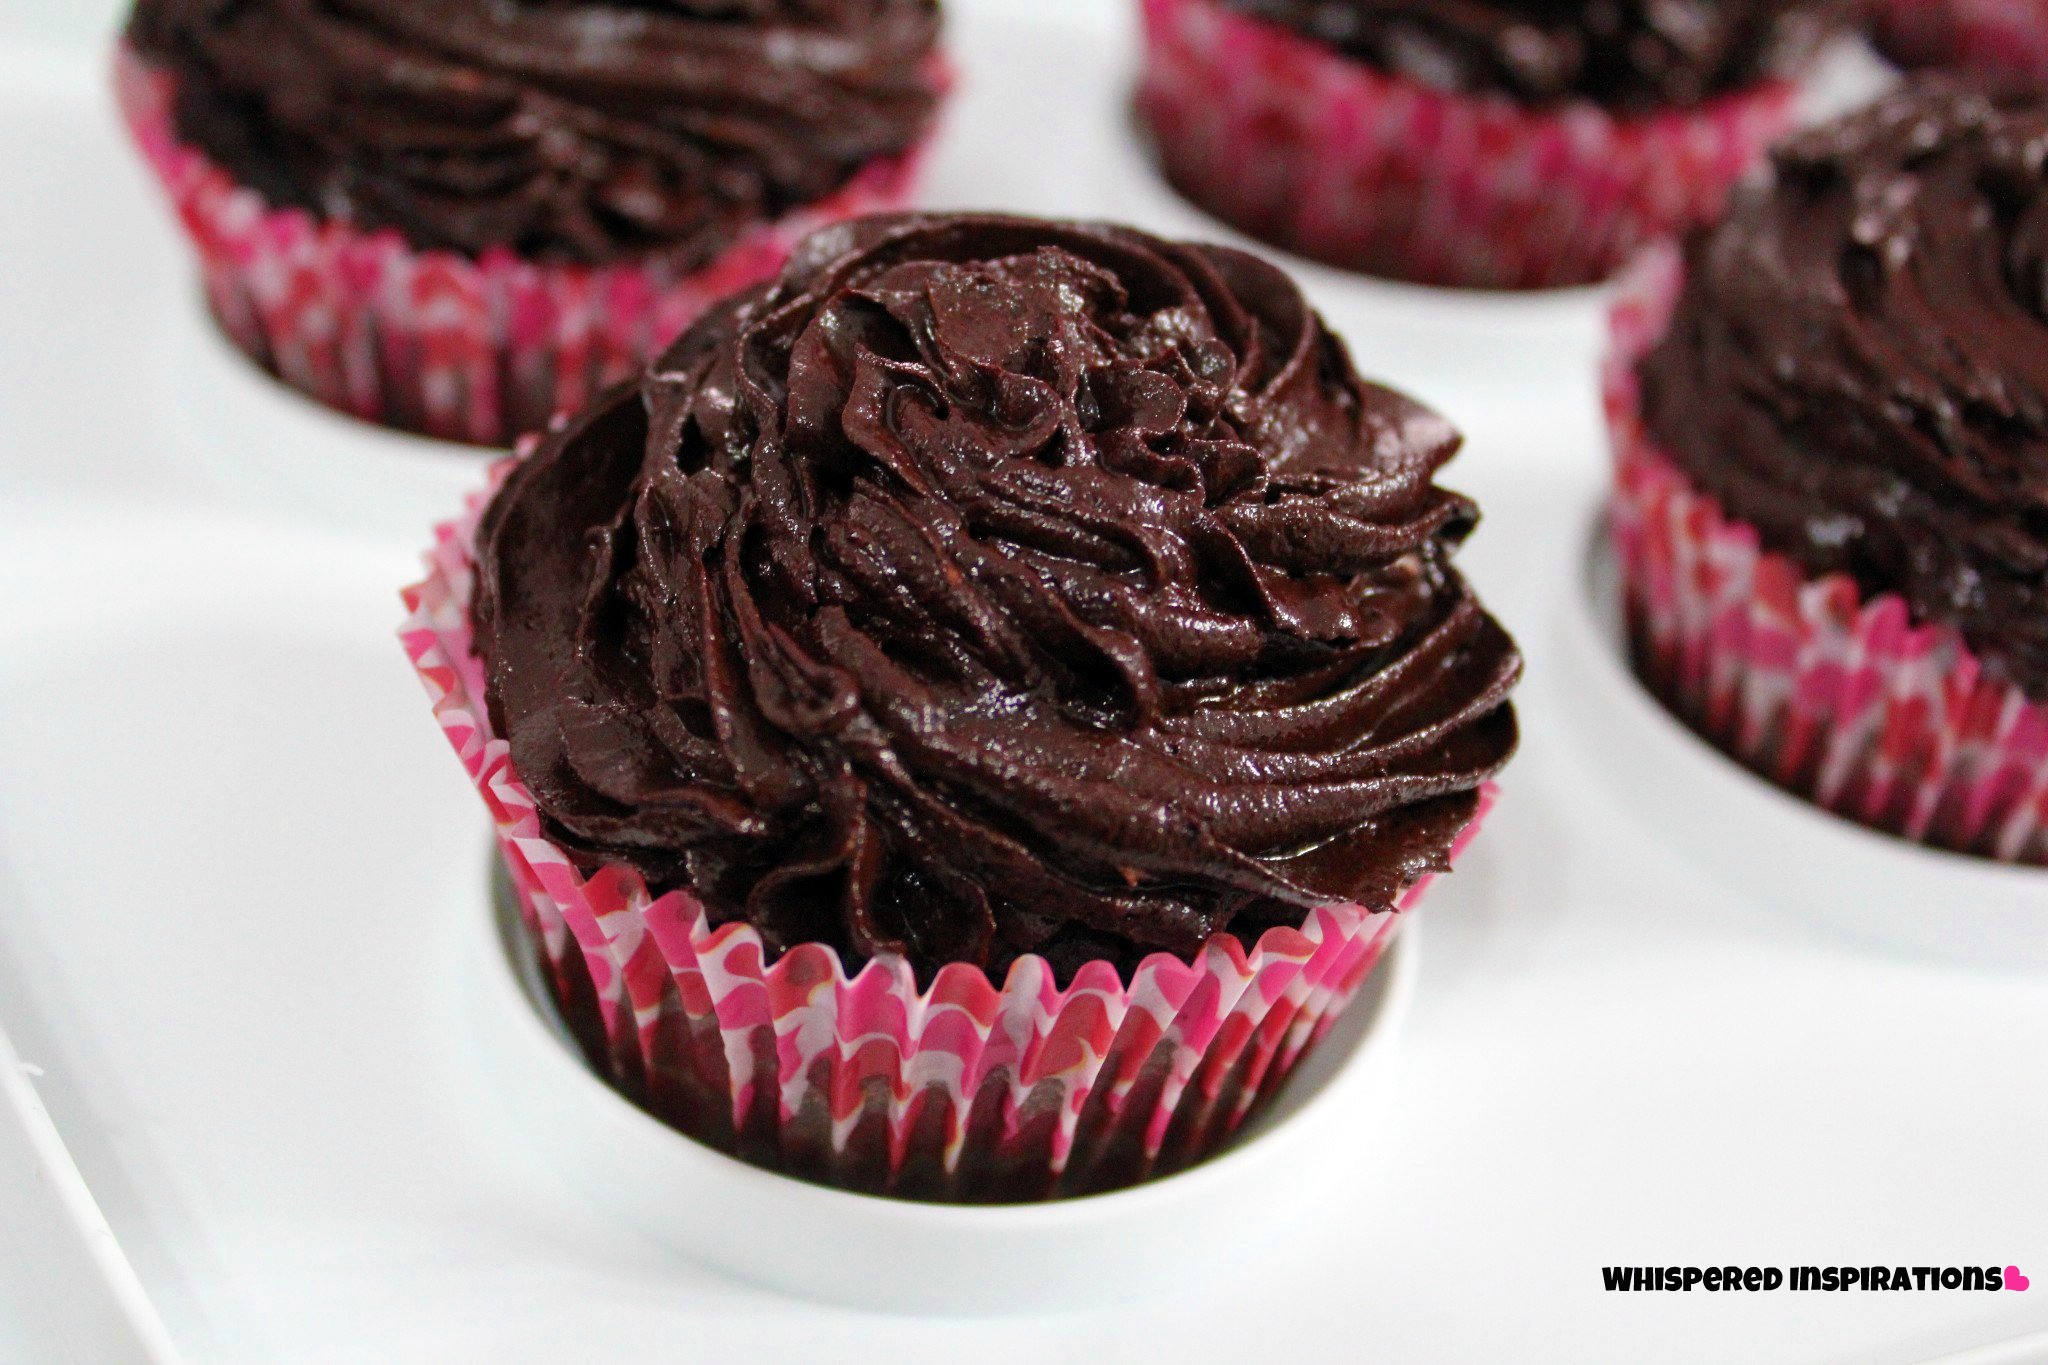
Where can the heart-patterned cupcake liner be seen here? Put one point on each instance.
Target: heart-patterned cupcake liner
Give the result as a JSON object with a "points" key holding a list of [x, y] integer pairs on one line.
{"points": [[1839, 697], [1301, 146], [968, 1090]]}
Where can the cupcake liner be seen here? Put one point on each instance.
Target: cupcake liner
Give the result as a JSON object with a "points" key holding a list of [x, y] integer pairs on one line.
{"points": [[1999, 37], [1832, 694], [969, 1090], [467, 349], [1300, 146]]}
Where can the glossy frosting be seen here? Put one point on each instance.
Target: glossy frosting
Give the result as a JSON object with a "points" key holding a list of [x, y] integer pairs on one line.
{"points": [[563, 129], [1626, 54], [987, 586], [1858, 365]]}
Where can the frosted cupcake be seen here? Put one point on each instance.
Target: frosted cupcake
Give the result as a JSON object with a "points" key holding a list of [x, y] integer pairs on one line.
{"points": [[1831, 425], [463, 216], [1497, 144], [967, 721]]}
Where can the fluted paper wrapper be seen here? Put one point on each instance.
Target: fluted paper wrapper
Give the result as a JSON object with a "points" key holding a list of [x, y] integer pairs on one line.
{"points": [[479, 349], [1837, 696], [971, 1090], [1303, 147]]}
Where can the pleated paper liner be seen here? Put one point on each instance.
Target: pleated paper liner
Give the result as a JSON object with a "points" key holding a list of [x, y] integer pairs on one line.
{"points": [[1298, 145], [479, 349], [970, 1090], [1834, 695]]}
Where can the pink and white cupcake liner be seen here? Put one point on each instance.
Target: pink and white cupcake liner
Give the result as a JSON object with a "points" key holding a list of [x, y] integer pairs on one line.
{"points": [[970, 1090], [2007, 38], [467, 349], [1305, 148], [1833, 695]]}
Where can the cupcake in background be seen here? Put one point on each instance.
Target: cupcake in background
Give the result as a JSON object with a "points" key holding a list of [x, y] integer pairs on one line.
{"points": [[1831, 505], [968, 721], [461, 218], [1493, 144], [2003, 39]]}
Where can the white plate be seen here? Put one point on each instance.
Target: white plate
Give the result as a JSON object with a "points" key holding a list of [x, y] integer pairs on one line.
{"points": [[240, 889]]}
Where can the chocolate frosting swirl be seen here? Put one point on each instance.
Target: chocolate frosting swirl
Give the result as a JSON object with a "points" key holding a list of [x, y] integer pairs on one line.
{"points": [[569, 130], [1626, 54], [1858, 365], [987, 586]]}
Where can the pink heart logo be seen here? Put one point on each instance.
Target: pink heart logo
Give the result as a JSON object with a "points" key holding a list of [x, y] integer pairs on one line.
{"points": [[2015, 1280]]}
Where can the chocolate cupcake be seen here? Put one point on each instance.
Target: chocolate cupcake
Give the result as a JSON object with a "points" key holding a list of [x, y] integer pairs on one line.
{"points": [[461, 217], [1502, 144], [1831, 422], [979, 705]]}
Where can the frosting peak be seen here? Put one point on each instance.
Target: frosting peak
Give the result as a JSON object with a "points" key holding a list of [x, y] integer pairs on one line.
{"points": [[988, 586], [579, 130]]}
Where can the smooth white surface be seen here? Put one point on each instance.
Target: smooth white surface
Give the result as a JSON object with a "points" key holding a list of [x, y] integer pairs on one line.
{"points": [[237, 868], [265, 451], [65, 1284], [1199, 1227]]}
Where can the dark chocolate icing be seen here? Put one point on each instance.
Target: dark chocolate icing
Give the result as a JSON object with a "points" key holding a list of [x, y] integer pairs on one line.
{"points": [[987, 586], [1625, 54], [569, 130], [1858, 365]]}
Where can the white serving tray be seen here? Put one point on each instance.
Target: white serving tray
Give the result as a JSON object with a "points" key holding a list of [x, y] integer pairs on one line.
{"points": [[241, 896]]}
